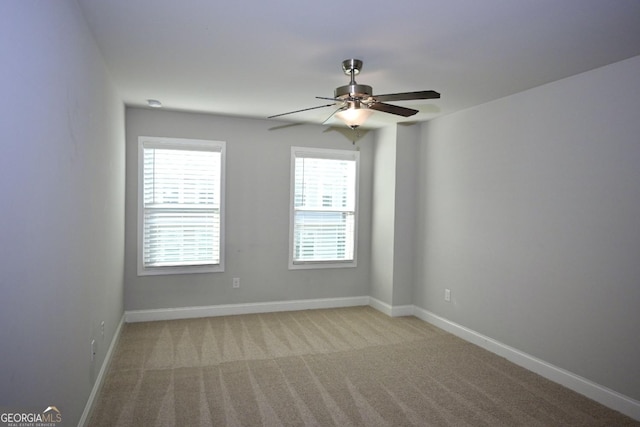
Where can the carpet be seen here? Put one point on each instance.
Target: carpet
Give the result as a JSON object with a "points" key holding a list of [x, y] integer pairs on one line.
{"points": [[330, 367]]}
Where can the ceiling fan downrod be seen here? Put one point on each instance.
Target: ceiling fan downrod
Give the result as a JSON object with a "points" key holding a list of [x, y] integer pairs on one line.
{"points": [[353, 91]]}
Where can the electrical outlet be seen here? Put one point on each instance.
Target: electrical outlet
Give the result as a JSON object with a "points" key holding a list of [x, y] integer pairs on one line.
{"points": [[236, 282], [447, 295]]}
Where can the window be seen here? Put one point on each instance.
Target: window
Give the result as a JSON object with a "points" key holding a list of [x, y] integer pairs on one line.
{"points": [[324, 194], [180, 206]]}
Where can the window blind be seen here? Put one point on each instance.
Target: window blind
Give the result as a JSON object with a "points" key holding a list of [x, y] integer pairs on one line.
{"points": [[324, 207], [181, 204]]}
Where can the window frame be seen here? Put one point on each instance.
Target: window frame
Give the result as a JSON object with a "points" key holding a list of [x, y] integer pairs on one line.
{"points": [[329, 154], [179, 144]]}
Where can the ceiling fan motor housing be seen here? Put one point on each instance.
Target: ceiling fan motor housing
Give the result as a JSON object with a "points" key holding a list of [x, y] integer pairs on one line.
{"points": [[353, 91]]}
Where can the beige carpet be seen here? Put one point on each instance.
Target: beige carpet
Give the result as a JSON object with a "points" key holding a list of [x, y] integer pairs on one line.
{"points": [[336, 367]]}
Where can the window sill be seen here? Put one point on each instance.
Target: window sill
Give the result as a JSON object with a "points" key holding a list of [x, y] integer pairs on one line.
{"points": [[192, 269], [312, 265]]}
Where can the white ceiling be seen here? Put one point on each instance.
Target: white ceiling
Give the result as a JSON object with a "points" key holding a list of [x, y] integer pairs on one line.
{"points": [[260, 58]]}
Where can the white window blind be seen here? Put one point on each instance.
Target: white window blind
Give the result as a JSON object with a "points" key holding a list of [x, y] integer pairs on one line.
{"points": [[181, 206], [324, 203]]}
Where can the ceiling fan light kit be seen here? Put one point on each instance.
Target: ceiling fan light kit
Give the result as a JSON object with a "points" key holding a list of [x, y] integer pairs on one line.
{"points": [[355, 115], [356, 102]]}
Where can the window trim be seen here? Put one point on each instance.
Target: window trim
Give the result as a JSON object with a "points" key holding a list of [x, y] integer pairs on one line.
{"points": [[179, 143], [322, 153]]}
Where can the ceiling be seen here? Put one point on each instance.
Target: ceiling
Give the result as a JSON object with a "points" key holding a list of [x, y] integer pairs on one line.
{"points": [[261, 58]]}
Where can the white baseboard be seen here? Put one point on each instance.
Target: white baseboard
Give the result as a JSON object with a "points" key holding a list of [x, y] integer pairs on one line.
{"points": [[382, 307], [132, 316], [601, 394], [389, 310], [401, 310], [86, 414]]}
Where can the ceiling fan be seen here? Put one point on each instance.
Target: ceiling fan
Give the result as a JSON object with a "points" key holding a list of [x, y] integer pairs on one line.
{"points": [[356, 102]]}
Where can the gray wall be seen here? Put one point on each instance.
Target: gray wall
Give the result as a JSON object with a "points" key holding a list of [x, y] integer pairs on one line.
{"points": [[62, 196], [529, 211], [405, 220], [394, 213], [383, 214], [257, 216]]}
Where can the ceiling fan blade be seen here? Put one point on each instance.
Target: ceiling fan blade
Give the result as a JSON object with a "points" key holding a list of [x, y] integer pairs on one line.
{"points": [[332, 114], [330, 99], [393, 109], [424, 94], [300, 111]]}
